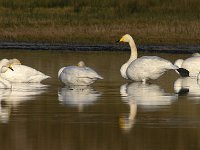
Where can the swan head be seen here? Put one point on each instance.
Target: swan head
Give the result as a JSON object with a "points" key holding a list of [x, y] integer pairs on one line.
{"points": [[81, 64], [125, 38], [15, 61]]}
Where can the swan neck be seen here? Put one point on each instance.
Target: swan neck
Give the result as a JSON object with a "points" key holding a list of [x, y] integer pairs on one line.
{"points": [[133, 50], [6, 83]]}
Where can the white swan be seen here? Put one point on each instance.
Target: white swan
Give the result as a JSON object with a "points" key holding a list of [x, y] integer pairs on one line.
{"points": [[78, 75], [146, 67], [191, 64], [23, 73], [4, 67]]}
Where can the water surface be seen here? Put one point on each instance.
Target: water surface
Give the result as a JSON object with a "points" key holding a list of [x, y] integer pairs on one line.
{"points": [[112, 114]]}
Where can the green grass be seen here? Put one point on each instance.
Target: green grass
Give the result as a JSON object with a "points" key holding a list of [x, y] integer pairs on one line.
{"points": [[100, 21]]}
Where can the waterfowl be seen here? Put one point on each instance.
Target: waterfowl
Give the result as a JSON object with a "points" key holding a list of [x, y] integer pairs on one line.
{"points": [[78, 75], [146, 67], [191, 64], [23, 73], [4, 67]]}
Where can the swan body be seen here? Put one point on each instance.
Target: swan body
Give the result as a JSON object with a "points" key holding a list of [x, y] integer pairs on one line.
{"points": [[144, 68], [78, 75], [191, 64], [23, 73]]}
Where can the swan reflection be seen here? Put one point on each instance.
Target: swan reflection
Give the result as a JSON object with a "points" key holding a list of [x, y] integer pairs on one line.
{"points": [[127, 121], [189, 86], [78, 96], [20, 92], [146, 95]]}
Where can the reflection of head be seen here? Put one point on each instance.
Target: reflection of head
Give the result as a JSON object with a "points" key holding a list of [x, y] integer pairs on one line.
{"points": [[127, 122]]}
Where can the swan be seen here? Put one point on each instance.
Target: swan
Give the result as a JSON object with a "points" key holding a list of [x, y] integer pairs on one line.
{"points": [[4, 67], [78, 75], [191, 64], [23, 73], [146, 67]]}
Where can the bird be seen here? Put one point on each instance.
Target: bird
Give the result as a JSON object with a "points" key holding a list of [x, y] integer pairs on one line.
{"points": [[78, 75], [191, 64], [4, 67], [23, 74], [146, 67]]}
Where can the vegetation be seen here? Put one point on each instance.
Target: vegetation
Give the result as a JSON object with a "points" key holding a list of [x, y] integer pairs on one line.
{"points": [[100, 21]]}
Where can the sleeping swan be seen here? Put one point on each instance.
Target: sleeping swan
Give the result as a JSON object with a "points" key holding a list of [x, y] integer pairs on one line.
{"points": [[78, 75], [146, 67], [191, 64], [23, 73]]}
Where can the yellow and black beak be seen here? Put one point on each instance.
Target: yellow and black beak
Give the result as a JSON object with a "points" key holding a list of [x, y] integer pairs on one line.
{"points": [[10, 67], [121, 40]]}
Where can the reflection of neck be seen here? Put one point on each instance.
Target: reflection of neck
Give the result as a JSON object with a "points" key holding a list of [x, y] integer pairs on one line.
{"points": [[133, 111], [5, 83]]}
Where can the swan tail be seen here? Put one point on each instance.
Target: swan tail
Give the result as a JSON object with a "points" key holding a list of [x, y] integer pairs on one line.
{"points": [[183, 72], [100, 77]]}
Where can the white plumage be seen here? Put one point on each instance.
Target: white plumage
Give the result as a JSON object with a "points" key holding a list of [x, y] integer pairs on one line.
{"points": [[4, 67], [191, 64], [78, 75], [144, 68], [23, 73]]}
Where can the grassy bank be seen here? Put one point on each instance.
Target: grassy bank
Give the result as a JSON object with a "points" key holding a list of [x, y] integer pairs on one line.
{"points": [[150, 22]]}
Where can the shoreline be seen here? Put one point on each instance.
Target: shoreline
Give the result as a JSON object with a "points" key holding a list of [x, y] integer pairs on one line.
{"points": [[179, 49]]}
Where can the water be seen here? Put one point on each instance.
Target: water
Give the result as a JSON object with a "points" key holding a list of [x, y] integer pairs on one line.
{"points": [[111, 114]]}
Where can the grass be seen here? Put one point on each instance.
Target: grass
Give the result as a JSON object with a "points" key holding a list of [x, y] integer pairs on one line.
{"points": [[100, 21]]}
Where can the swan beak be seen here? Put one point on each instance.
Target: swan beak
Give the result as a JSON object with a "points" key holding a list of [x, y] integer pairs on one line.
{"points": [[121, 40], [10, 68]]}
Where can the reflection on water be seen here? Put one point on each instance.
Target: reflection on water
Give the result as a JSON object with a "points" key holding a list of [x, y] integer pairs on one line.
{"points": [[78, 96], [127, 120], [189, 86], [20, 92], [104, 116], [147, 95]]}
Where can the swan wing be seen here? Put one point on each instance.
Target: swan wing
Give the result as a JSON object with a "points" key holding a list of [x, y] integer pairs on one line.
{"points": [[78, 75], [148, 67]]}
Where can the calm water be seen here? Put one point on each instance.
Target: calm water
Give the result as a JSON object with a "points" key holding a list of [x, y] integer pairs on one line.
{"points": [[111, 114]]}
